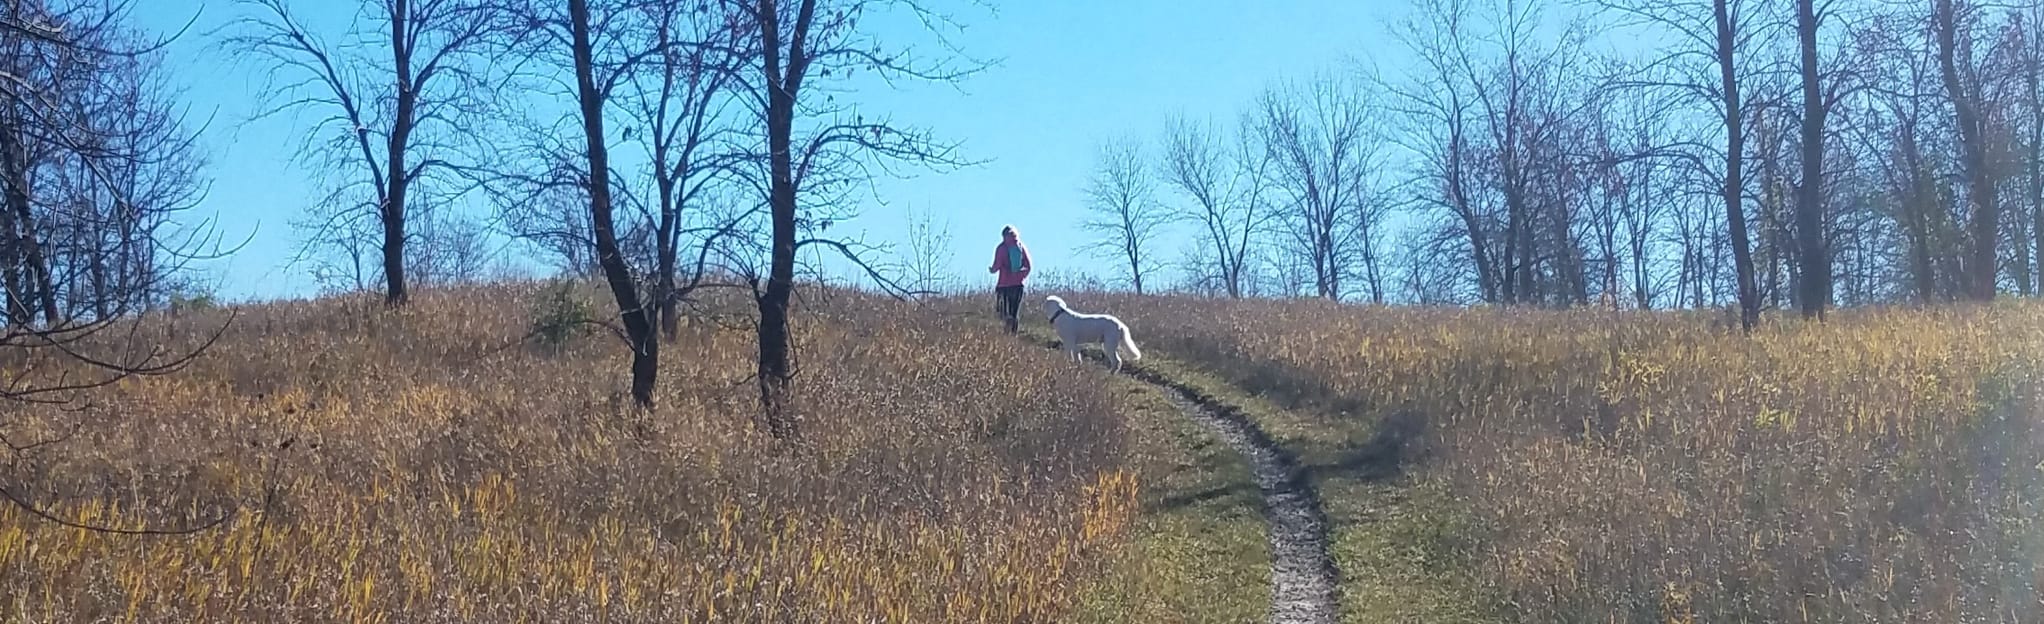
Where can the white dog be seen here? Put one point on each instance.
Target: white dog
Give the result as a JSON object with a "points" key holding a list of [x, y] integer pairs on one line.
{"points": [[1078, 329]]}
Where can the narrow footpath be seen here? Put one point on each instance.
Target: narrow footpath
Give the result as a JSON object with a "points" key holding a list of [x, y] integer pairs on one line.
{"points": [[1302, 571]]}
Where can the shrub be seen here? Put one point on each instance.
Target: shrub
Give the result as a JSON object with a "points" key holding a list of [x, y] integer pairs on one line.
{"points": [[560, 315]]}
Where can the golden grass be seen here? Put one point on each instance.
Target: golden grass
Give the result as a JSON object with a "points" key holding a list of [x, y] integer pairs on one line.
{"points": [[1882, 467], [1200, 550], [440, 472]]}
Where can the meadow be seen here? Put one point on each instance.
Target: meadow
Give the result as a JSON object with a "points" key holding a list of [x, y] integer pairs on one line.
{"points": [[1605, 466], [448, 462], [440, 464]]}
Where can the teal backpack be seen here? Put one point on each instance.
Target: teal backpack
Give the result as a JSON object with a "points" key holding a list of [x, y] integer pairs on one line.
{"points": [[1015, 259]]}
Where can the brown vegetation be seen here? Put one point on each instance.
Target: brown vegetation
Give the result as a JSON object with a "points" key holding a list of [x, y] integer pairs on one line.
{"points": [[1661, 467], [427, 465]]}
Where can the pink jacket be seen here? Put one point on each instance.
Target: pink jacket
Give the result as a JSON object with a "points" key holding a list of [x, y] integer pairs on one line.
{"points": [[1011, 261]]}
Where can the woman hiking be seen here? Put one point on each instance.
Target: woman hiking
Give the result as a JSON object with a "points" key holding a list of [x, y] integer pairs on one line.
{"points": [[1011, 261]]}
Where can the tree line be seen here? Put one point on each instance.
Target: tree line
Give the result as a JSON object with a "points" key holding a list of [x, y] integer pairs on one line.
{"points": [[1755, 154]]}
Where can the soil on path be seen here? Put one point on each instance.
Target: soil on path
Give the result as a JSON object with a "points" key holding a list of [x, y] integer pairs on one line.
{"points": [[1303, 577]]}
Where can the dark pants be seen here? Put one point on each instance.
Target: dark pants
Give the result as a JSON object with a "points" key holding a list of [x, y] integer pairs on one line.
{"points": [[1011, 305]]}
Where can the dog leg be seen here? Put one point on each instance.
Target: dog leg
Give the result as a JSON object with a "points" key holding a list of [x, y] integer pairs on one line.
{"points": [[1113, 359]]}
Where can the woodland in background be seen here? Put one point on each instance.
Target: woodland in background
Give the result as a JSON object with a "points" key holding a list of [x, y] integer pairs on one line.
{"points": [[1757, 154], [1760, 154]]}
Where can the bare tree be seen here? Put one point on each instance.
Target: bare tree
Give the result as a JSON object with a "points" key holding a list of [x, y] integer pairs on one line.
{"points": [[1224, 193], [600, 62], [1125, 212], [813, 150], [1707, 66], [1899, 129], [683, 101], [591, 95], [1952, 30], [929, 252], [395, 101], [97, 161], [1644, 204], [449, 247], [1319, 137], [1436, 106], [2030, 51], [1818, 99], [555, 222]]}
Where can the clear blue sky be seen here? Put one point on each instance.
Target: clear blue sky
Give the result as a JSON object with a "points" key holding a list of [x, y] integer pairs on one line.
{"points": [[1072, 74]]}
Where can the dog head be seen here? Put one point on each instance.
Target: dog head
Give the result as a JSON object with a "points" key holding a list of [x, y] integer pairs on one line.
{"points": [[1052, 304]]}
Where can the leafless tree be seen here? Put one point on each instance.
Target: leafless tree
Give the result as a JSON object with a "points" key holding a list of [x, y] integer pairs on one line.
{"points": [[592, 94], [395, 97], [1425, 276], [814, 147], [1498, 123], [97, 160], [1320, 138], [1899, 128], [1223, 193], [1956, 39], [1707, 63], [601, 48], [1436, 106], [683, 97], [449, 247], [929, 252], [1642, 180], [555, 222], [1823, 89], [1125, 212]]}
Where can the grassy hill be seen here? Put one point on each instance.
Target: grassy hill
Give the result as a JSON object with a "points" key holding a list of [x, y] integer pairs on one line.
{"points": [[448, 463], [1886, 466], [442, 467]]}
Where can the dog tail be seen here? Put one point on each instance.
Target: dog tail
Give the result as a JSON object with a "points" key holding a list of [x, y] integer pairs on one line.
{"points": [[1128, 341]]}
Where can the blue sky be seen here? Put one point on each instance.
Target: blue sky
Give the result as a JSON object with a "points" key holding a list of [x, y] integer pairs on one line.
{"points": [[1072, 74]]}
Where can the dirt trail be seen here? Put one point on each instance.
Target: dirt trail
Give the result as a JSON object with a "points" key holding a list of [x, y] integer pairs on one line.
{"points": [[1302, 574]]}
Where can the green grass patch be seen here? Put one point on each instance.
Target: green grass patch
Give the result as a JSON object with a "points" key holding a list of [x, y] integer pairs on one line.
{"points": [[1201, 552], [1401, 543]]}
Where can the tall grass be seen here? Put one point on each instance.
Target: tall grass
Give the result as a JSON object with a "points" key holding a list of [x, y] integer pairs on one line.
{"points": [[441, 469], [1886, 466]]}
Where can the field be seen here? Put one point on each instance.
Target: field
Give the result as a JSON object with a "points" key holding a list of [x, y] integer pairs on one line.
{"points": [[1633, 467], [445, 463], [430, 465]]}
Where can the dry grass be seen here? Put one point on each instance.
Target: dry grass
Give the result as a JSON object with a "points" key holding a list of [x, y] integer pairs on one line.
{"points": [[437, 475], [1200, 551], [1883, 467]]}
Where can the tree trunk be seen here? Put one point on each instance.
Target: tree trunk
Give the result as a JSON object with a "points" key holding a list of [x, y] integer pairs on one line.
{"points": [[1518, 243], [1636, 240], [2031, 79], [1983, 263], [775, 369], [1458, 195], [1735, 150], [392, 212], [1815, 292], [638, 328], [393, 217], [28, 283], [1923, 267], [666, 247]]}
